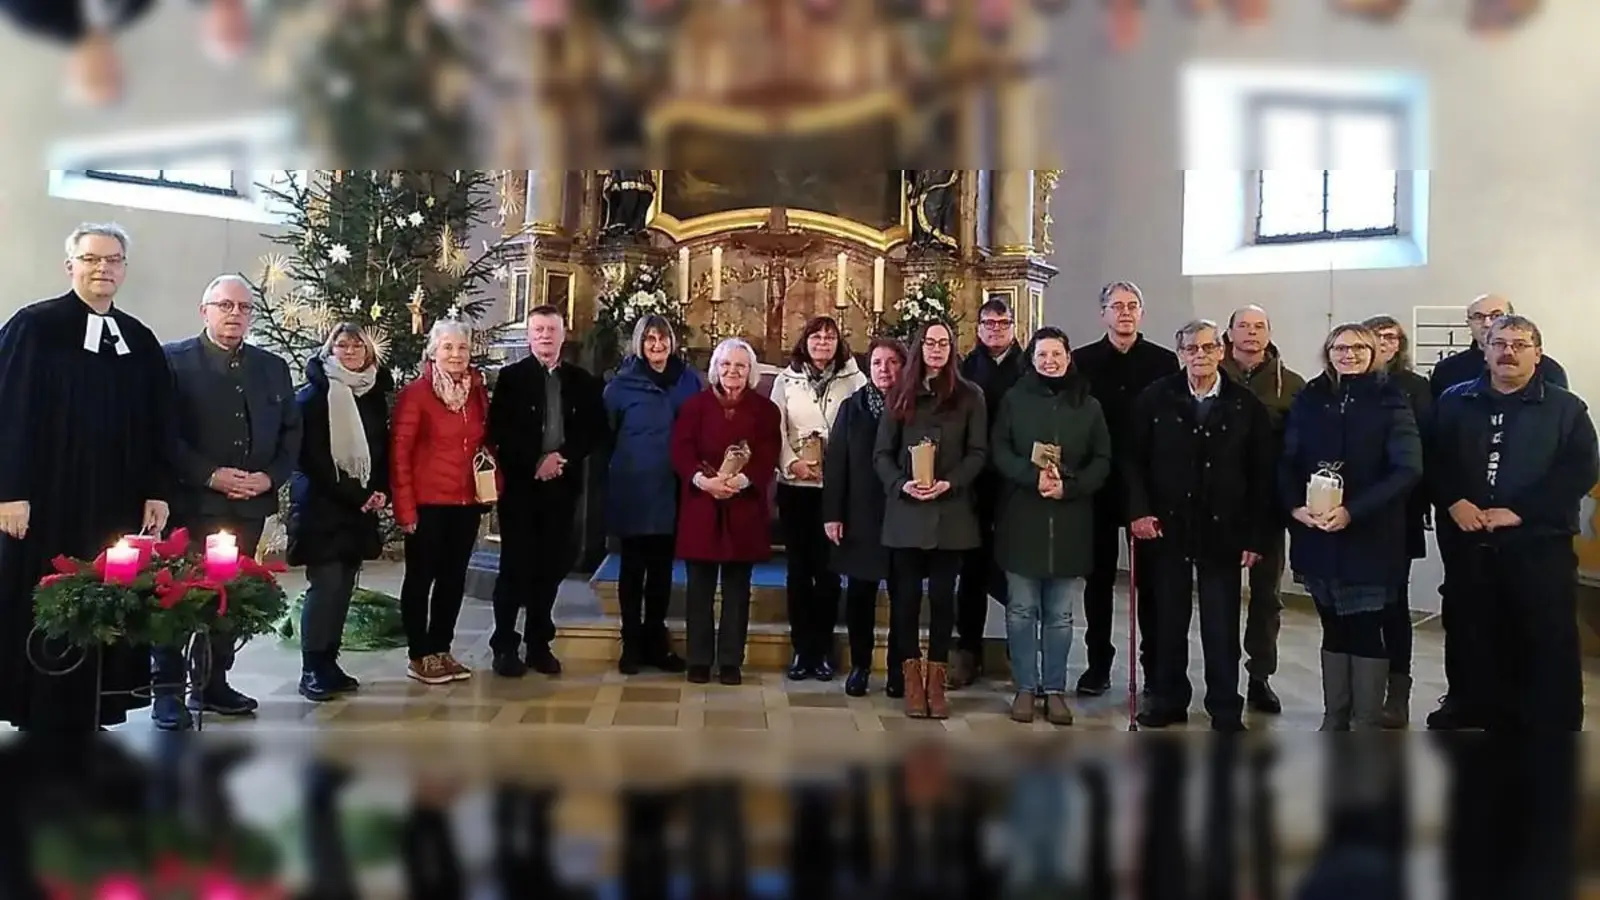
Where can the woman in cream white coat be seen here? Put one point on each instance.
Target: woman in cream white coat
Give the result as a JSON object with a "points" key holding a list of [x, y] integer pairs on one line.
{"points": [[808, 393]]}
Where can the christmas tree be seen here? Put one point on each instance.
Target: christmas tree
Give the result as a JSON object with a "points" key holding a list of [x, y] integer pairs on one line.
{"points": [[388, 251]]}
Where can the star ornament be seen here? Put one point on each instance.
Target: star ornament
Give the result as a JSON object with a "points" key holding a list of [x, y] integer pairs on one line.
{"points": [[376, 312], [339, 254]]}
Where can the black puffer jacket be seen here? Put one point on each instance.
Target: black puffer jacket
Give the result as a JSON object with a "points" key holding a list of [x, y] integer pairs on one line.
{"points": [[325, 522]]}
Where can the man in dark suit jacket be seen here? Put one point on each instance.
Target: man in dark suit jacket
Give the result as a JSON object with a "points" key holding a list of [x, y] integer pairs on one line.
{"points": [[545, 418], [235, 442]]}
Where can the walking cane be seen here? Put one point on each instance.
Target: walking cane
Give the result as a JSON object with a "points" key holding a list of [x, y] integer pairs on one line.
{"points": [[1133, 638]]}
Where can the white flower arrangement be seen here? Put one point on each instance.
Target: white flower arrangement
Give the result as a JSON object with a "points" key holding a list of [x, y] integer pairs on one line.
{"points": [[626, 303], [926, 300]]}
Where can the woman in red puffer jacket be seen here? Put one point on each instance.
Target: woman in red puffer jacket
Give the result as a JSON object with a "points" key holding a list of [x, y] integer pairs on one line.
{"points": [[439, 429]]}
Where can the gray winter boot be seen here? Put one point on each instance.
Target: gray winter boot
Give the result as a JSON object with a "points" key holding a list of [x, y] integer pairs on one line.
{"points": [[1335, 692], [1397, 705], [1369, 678]]}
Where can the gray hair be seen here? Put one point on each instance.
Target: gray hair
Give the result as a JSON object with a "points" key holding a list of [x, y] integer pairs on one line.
{"points": [[229, 278], [442, 329], [1192, 330], [103, 229], [644, 326], [728, 347], [1124, 286], [1514, 322]]}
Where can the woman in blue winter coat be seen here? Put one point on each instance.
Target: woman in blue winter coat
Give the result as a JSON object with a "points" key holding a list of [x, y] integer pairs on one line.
{"points": [[642, 403]]}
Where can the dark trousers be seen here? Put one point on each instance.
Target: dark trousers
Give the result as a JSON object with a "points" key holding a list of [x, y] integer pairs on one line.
{"points": [[1448, 538], [1099, 600], [813, 588], [910, 568], [536, 554], [1263, 617], [327, 604], [1517, 637], [861, 621], [437, 554], [981, 578], [1397, 636], [708, 643], [166, 663], [644, 588], [1171, 581], [1353, 634]]}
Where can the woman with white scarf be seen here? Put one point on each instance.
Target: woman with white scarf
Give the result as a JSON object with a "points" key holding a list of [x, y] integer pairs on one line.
{"points": [[341, 483]]}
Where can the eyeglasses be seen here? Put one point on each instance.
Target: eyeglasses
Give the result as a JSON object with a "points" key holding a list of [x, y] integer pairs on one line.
{"points": [[91, 260], [995, 324], [1388, 337], [1500, 346], [1478, 318], [1349, 349], [232, 306], [936, 343], [1123, 307], [1201, 349]]}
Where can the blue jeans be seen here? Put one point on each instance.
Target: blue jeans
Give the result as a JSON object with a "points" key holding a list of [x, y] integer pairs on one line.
{"points": [[1039, 630]]}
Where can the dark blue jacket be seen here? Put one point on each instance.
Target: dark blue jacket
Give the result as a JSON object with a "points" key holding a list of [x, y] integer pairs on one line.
{"points": [[1364, 424], [1549, 462], [1465, 365], [642, 495]]}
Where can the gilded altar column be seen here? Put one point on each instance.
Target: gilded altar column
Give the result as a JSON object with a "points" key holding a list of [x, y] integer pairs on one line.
{"points": [[546, 201]]}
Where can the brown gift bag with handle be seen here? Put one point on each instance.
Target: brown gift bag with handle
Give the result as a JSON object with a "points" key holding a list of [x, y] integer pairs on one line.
{"points": [[923, 455], [483, 479], [734, 460], [1047, 457], [1324, 490], [812, 448]]}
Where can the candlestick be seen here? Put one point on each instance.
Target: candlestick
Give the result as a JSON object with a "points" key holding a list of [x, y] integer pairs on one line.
{"points": [[122, 563], [145, 544], [839, 299], [877, 285], [683, 277], [716, 274]]}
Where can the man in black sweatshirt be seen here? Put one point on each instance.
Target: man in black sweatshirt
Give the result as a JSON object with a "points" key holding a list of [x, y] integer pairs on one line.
{"points": [[1119, 367], [1511, 456], [994, 366]]}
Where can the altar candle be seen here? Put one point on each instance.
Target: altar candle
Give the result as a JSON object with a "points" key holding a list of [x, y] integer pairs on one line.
{"points": [[222, 556], [838, 292], [145, 544], [716, 274], [122, 563], [683, 277], [877, 285]]}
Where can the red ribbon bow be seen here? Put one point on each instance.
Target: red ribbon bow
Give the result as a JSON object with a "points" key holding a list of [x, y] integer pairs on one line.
{"points": [[170, 591]]}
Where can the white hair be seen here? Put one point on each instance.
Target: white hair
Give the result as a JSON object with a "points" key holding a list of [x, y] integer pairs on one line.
{"points": [[724, 349], [105, 229], [230, 278], [442, 329]]}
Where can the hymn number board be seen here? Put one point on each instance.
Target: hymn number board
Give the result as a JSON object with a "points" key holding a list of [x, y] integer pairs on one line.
{"points": [[1437, 332]]}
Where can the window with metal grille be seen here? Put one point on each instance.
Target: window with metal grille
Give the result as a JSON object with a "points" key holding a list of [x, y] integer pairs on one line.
{"points": [[1325, 170]]}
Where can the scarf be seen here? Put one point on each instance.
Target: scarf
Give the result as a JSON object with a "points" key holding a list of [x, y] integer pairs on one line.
{"points": [[453, 394], [347, 439], [874, 397]]}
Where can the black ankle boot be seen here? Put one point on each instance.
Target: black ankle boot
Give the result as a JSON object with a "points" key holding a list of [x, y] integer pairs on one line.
{"points": [[343, 682], [315, 683]]}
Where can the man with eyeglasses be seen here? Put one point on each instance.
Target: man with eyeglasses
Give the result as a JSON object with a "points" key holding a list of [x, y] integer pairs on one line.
{"points": [[1198, 463], [1468, 364], [994, 366], [1511, 457], [235, 441], [84, 393], [1119, 367]]}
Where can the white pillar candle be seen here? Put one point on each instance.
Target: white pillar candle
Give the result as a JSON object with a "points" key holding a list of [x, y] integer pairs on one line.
{"points": [[877, 285], [838, 294], [716, 274], [683, 277]]}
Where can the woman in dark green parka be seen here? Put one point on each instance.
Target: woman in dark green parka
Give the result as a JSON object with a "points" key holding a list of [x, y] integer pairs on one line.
{"points": [[1045, 524]]}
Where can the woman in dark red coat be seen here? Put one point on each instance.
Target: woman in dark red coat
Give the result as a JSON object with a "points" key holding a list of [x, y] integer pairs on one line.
{"points": [[438, 431], [724, 524]]}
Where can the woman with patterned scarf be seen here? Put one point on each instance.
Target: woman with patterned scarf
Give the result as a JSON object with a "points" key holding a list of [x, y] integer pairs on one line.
{"points": [[339, 485]]}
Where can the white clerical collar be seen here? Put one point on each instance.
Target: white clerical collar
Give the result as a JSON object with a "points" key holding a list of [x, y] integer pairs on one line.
{"points": [[1215, 389], [94, 331]]}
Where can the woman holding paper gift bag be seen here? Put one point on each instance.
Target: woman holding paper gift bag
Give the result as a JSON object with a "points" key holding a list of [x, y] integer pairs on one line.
{"points": [[1351, 457], [932, 443], [436, 446], [725, 451], [1053, 452], [820, 377]]}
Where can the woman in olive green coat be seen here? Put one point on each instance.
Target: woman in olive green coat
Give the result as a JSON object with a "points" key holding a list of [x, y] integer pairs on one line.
{"points": [[1044, 529]]}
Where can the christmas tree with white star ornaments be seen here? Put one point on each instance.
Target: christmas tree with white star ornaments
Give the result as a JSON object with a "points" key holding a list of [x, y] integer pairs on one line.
{"points": [[390, 252]]}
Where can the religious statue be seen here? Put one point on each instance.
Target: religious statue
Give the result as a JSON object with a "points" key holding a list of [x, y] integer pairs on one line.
{"points": [[627, 198], [934, 194]]}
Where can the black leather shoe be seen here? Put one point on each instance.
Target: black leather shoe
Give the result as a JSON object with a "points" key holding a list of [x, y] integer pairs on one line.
{"points": [[799, 669], [1261, 698], [894, 687], [628, 662], [1095, 681], [699, 674], [1227, 723], [541, 660], [224, 701], [730, 675], [1452, 717], [823, 670], [343, 682], [509, 665], [855, 684], [665, 660], [1161, 718], [168, 713]]}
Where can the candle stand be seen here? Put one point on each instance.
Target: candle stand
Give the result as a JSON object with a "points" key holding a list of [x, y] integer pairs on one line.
{"points": [[57, 659]]}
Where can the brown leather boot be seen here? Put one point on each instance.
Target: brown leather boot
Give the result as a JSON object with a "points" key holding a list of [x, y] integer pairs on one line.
{"points": [[938, 703], [916, 675]]}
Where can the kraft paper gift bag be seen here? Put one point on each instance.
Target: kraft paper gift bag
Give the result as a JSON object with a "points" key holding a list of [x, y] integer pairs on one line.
{"points": [[1324, 490], [1047, 457], [923, 455], [812, 449], [483, 481], [734, 460]]}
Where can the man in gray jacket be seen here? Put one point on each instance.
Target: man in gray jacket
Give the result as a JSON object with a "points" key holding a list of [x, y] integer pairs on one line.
{"points": [[235, 441]]}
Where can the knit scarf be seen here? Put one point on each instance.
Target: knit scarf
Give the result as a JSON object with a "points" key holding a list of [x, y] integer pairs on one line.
{"points": [[347, 439], [874, 397], [452, 393]]}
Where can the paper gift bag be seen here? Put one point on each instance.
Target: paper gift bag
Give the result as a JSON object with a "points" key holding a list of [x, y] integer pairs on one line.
{"points": [[483, 479], [812, 449], [1046, 456], [923, 455], [734, 460], [1324, 490]]}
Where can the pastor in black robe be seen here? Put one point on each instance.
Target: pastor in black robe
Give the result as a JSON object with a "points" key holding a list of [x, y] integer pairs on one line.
{"points": [[81, 439]]}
